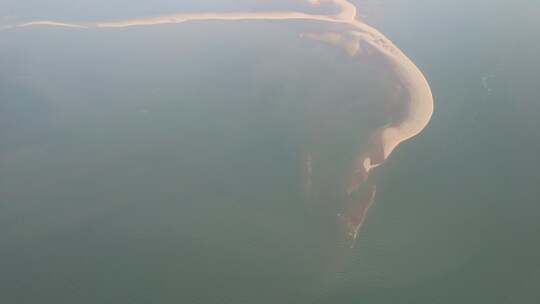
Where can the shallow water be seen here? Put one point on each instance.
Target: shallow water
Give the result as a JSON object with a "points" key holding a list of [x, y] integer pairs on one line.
{"points": [[139, 167]]}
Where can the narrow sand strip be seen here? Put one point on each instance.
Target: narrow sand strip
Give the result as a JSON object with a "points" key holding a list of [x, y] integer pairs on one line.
{"points": [[420, 103]]}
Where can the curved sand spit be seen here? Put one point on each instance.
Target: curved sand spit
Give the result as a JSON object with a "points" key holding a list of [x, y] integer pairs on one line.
{"points": [[419, 99]]}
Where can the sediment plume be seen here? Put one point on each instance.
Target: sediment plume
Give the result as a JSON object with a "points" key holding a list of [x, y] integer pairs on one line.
{"points": [[355, 36]]}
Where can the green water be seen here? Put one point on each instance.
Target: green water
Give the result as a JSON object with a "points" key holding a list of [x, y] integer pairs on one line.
{"points": [[164, 164]]}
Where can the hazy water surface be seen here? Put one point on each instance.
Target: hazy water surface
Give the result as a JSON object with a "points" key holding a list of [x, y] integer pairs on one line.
{"points": [[165, 164]]}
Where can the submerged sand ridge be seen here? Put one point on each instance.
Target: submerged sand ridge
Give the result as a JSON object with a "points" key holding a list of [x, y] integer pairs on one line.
{"points": [[355, 36]]}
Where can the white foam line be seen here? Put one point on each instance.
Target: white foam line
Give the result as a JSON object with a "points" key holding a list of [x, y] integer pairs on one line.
{"points": [[241, 16], [45, 23]]}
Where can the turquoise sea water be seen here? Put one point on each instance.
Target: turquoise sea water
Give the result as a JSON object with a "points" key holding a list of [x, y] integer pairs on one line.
{"points": [[164, 165]]}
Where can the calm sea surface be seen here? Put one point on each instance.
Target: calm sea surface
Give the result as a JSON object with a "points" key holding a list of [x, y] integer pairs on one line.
{"points": [[165, 164]]}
